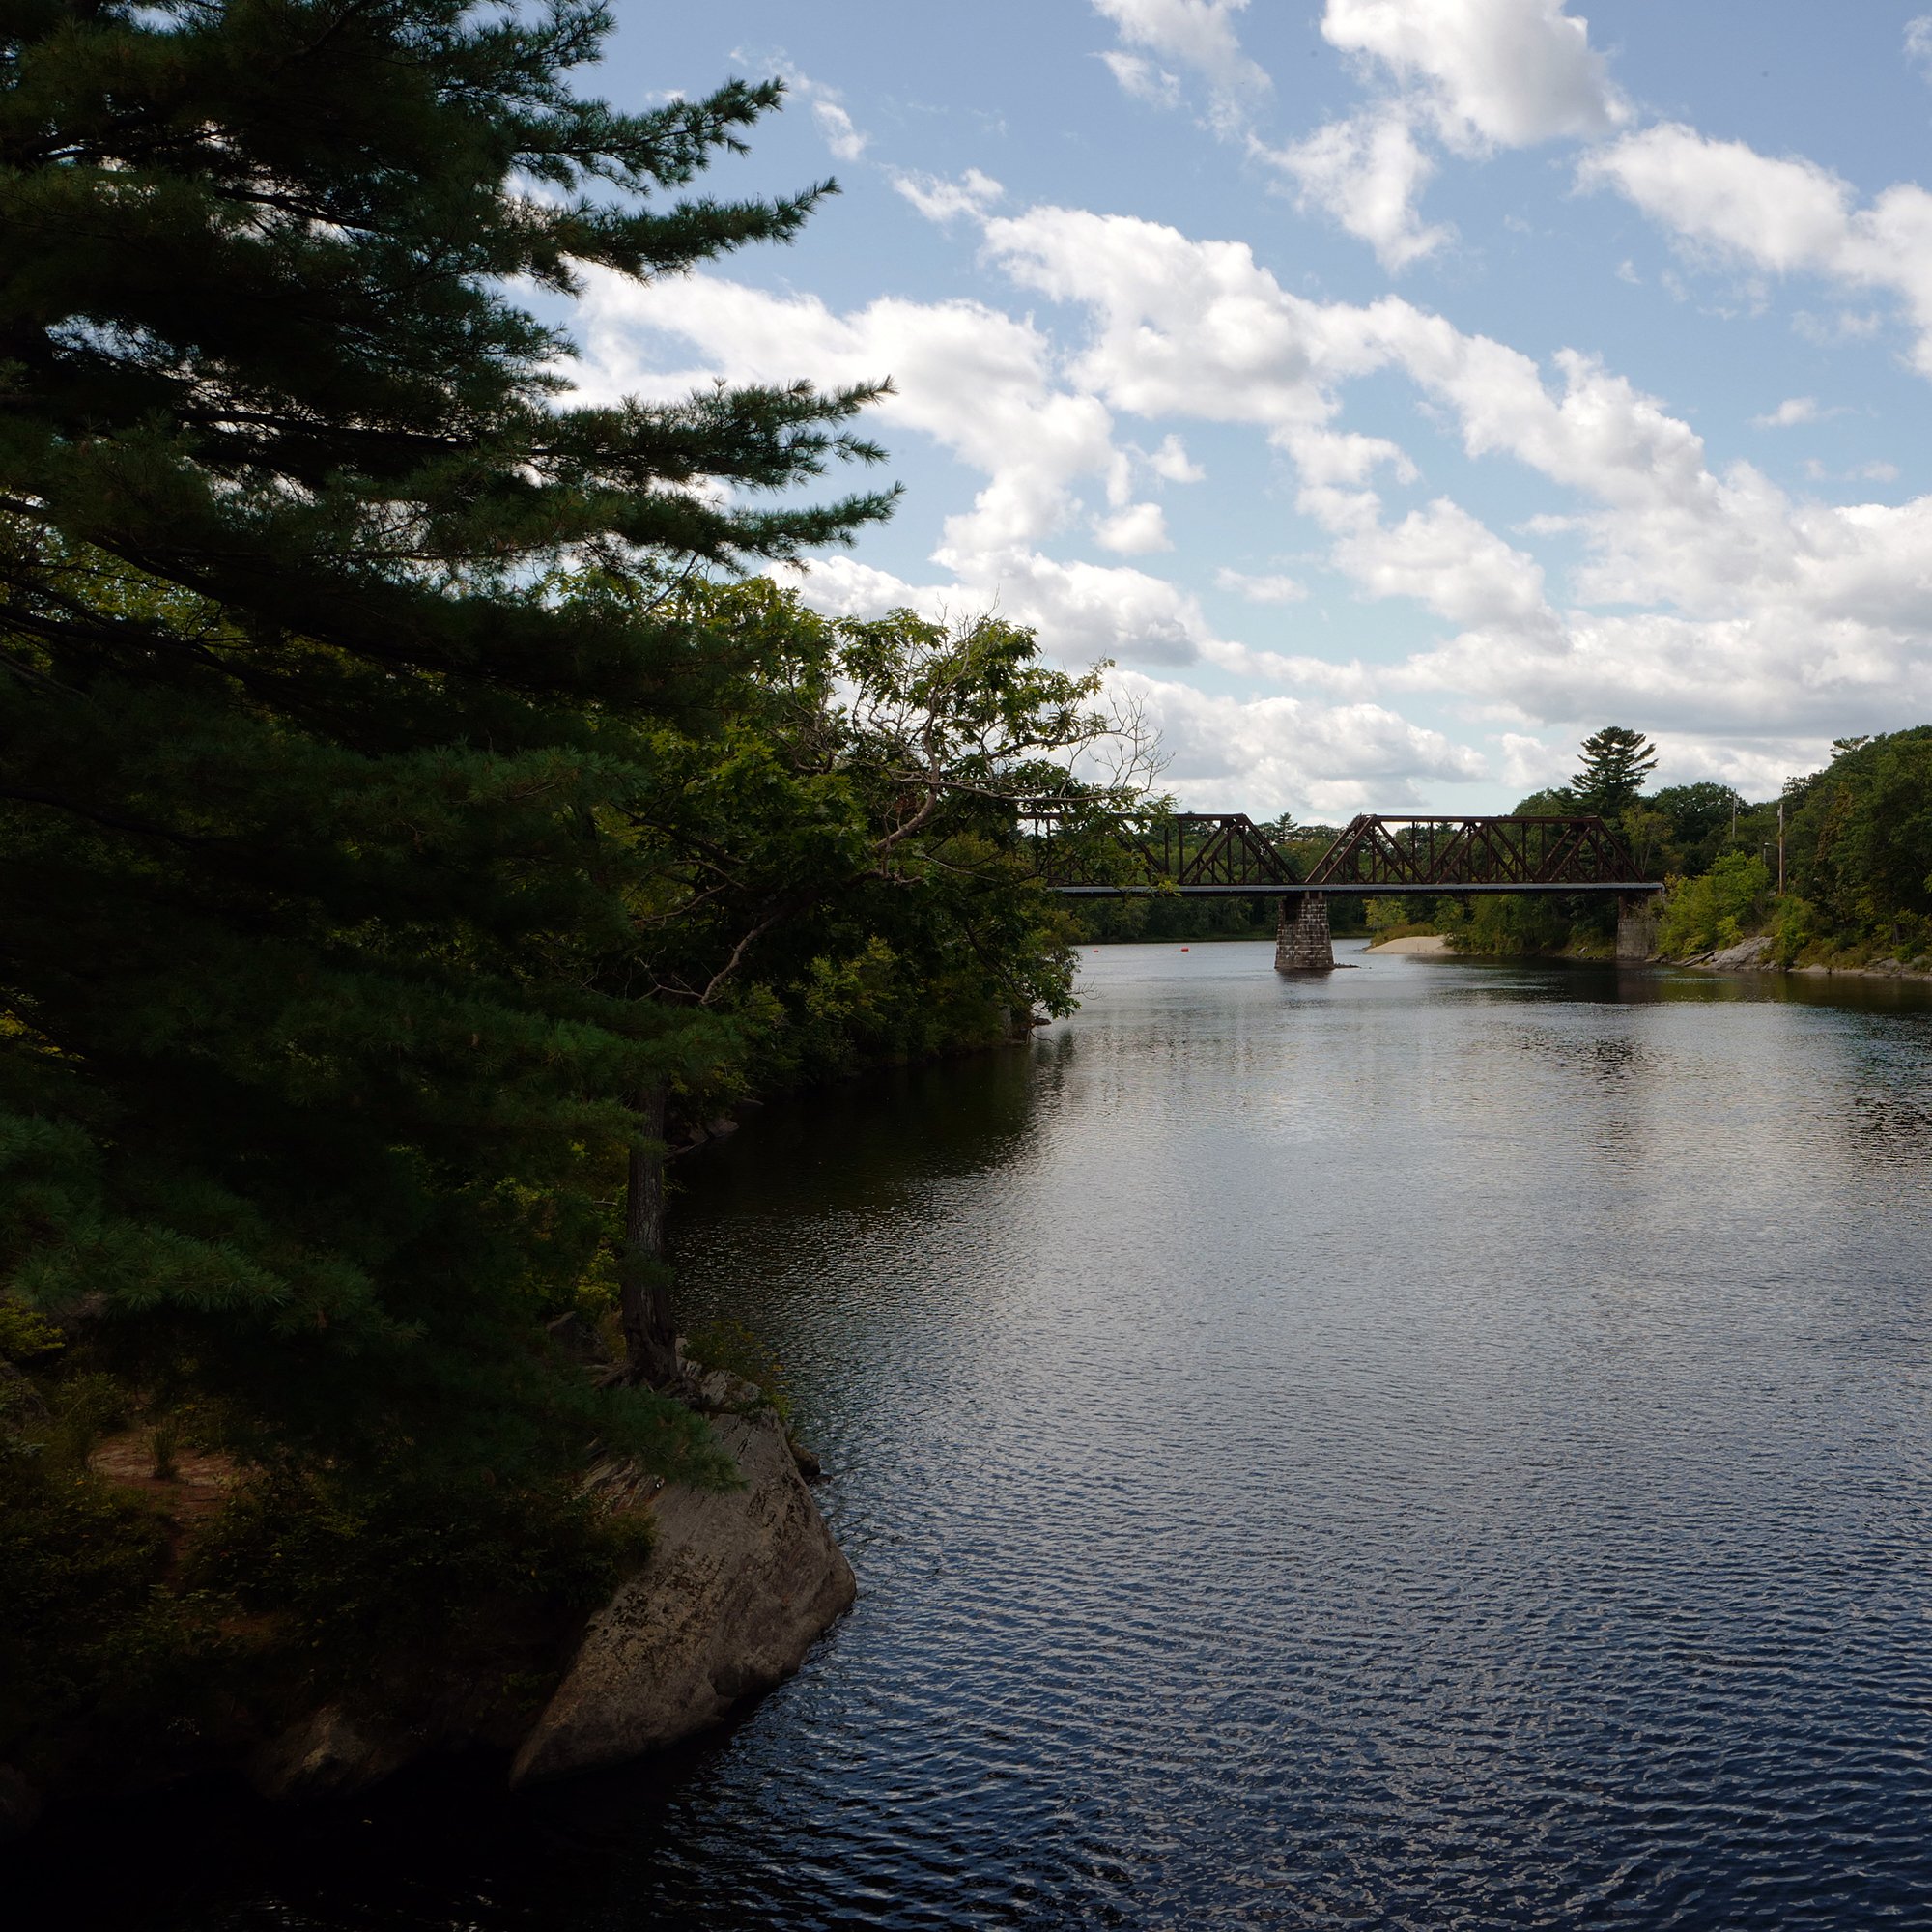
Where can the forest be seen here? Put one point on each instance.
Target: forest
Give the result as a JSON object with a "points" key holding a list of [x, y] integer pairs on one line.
{"points": [[418, 816]]}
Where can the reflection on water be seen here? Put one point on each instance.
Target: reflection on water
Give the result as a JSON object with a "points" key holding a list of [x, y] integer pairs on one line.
{"points": [[1439, 1445]]}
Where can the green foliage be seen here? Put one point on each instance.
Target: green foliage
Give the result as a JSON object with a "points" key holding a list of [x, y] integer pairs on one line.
{"points": [[1397, 918], [318, 1052], [1857, 858], [1716, 909], [1551, 803], [836, 870], [1698, 820], [1858, 840], [89, 1634], [311, 1072], [359, 1576], [1793, 929], [1510, 926], [389, 802], [25, 1333]]}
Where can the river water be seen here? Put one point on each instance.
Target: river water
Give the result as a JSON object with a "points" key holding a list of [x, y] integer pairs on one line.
{"points": [[1439, 1445]]}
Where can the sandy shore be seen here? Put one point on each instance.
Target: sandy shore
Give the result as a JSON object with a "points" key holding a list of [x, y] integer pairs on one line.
{"points": [[1432, 944]]}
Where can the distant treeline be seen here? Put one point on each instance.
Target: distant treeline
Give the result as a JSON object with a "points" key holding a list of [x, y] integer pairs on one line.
{"points": [[1856, 868]]}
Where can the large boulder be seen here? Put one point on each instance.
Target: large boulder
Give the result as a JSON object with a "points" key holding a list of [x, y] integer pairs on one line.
{"points": [[737, 1585], [1745, 956]]}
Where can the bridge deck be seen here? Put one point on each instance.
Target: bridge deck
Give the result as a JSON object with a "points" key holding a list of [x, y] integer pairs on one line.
{"points": [[1227, 855]]}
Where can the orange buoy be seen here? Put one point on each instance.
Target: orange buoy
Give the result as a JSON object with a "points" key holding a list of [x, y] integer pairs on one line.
{"points": [[1184, 948]]}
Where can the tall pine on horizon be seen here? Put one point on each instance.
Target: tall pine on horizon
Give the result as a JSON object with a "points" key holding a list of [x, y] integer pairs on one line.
{"points": [[1617, 762], [303, 1085]]}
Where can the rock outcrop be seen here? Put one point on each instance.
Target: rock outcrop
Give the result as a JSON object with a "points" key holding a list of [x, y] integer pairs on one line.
{"points": [[327, 1755], [1742, 957], [737, 1586]]}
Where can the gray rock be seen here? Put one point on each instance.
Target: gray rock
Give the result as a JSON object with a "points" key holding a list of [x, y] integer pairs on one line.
{"points": [[735, 1589], [1746, 954], [327, 1755]]}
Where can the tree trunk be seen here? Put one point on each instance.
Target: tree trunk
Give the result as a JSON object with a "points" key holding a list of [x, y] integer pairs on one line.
{"points": [[643, 1285]]}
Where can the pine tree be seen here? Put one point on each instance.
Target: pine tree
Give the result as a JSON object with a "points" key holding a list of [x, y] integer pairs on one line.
{"points": [[309, 1081], [1617, 762]]}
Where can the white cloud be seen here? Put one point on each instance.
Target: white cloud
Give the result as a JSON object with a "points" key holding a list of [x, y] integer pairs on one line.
{"points": [[1918, 41], [1787, 216], [1702, 600], [1135, 529], [1504, 74], [1366, 172], [836, 125], [1446, 560], [1481, 73], [1754, 614], [1261, 589], [1140, 77], [1790, 413], [1171, 463], [1195, 33], [941, 200], [829, 114], [1278, 754]]}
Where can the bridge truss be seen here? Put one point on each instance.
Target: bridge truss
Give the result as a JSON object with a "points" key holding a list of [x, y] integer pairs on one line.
{"points": [[1227, 855]]}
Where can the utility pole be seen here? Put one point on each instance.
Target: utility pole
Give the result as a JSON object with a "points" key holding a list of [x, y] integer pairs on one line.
{"points": [[1780, 844]]}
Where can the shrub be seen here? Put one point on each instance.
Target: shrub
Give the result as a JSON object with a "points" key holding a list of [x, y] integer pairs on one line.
{"points": [[1716, 909]]}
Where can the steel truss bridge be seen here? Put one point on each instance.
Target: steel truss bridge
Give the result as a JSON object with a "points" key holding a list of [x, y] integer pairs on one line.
{"points": [[1227, 855]]}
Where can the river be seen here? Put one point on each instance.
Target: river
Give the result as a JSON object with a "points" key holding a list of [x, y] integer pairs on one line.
{"points": [[1438, 1445]]}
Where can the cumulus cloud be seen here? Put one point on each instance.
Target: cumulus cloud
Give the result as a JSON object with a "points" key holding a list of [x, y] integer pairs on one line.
{"points": [[1366, 172], [1698, 596], [1501, 73], [1765, 613], [1139, 527], [1785, 215], [941, 200], [1198, 35], [1278, 754], [1171, 463], [1480, 74]]}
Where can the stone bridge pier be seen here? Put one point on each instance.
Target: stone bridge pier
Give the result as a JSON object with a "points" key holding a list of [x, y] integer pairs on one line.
{"points": [[1301, 942], [1636, 926]]}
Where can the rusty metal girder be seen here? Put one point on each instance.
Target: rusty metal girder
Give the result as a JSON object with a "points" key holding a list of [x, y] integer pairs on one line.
{"points": [[1415, 853], [1225, 854], [1187, 851]]}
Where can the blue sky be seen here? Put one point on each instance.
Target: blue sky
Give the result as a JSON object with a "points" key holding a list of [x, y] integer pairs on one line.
{"points": [[1395, 390]]}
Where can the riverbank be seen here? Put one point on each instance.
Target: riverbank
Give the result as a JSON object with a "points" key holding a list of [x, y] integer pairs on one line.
{"points": [[1757, 956], [729, 1589]]}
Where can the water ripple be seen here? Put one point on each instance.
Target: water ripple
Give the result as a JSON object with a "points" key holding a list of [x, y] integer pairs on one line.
{"points": [[1447, 1447]]}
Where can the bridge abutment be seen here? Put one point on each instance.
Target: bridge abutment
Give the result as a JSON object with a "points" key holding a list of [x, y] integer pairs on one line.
{"points": [[1301, 941], [1636, 928]]}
